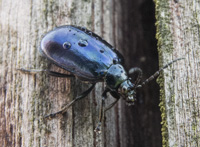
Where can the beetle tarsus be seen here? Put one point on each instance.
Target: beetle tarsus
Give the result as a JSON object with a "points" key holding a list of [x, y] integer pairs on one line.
{"points": [[27, 71], [52, 115], [98, 128]]}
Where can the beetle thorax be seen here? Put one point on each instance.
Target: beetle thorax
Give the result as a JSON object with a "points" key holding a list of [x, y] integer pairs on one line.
{"points": [[116, 74]]}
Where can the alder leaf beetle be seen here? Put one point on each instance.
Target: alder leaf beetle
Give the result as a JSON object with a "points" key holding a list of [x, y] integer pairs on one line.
{"points": [[90, 58]]}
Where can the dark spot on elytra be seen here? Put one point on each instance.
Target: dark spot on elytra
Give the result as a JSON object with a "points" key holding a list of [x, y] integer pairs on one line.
{"points": [[83, 29], [115, 61], [82, 43], [101, 51], [66, 45], [90, 33]]}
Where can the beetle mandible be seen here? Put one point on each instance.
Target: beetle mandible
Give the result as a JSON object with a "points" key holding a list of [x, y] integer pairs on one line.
{"points": [[90, 58]]}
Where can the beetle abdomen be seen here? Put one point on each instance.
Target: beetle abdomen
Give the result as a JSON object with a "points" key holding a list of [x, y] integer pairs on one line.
{"points": [[79, 51]]}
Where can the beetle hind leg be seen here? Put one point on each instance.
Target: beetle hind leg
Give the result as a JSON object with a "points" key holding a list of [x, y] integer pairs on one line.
{"points": [[51, 73], [65, 108]]}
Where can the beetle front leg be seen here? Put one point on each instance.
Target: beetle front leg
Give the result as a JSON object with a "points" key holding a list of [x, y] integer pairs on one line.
{"points": [[64, 109], [51, 73], [102, 111]]}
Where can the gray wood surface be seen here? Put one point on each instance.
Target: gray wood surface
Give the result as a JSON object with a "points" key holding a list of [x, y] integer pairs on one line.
{"points": [[25, 98], [178, 36]]}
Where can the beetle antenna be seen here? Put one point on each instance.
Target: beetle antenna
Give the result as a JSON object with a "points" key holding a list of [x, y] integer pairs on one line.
{"points": [[156, 74]]}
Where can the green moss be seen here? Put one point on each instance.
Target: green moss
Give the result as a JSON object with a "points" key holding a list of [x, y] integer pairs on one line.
{"points": [[165, 48], [162, 106]]}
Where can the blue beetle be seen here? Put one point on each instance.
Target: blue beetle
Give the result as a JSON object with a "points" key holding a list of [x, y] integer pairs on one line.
{"points": [[90, 58]]}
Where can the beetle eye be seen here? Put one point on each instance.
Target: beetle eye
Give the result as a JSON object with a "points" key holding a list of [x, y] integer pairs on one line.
{"points": [[66, 45]]}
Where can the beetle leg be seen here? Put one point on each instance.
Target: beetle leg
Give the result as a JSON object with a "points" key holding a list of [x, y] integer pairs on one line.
{"points": [[102, 111], [52, 73], [111, 105], [64, 109], [137, 71]]}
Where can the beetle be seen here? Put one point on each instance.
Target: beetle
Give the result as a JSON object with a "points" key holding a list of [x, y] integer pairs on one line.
{"points": [[90, 58]]}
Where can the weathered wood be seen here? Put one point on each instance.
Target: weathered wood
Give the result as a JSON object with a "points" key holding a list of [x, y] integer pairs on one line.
{"points": [[178, 36], [25, 99]]}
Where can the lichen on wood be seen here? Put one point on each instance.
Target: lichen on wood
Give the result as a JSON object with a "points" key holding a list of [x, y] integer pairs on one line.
{"points": [[178, 36]]}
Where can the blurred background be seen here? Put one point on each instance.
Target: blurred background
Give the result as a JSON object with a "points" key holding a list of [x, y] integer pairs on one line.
{"points": [[138, 46]]}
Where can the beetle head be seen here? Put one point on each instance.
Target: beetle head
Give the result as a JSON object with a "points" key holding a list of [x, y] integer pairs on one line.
{"points": [[117, 80], [127, 91]]}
